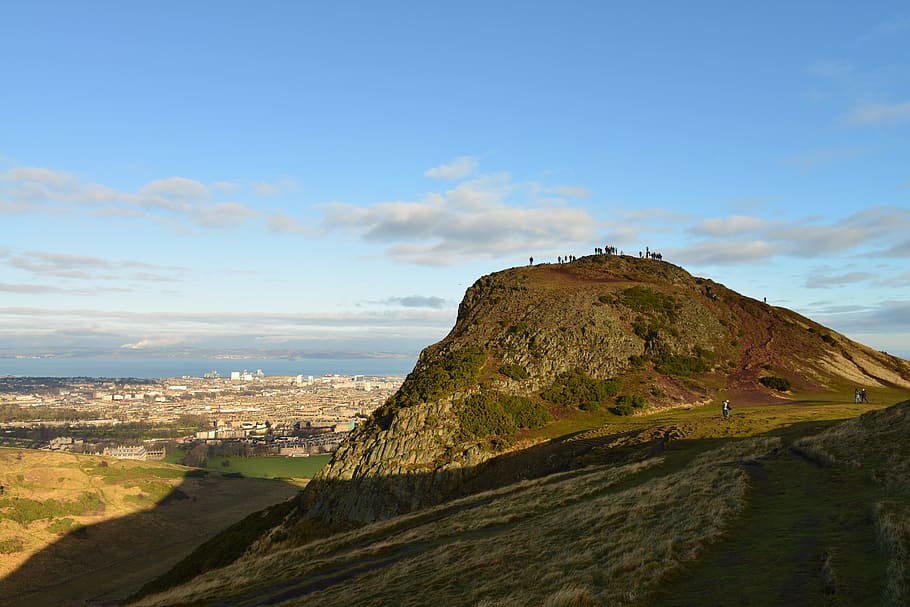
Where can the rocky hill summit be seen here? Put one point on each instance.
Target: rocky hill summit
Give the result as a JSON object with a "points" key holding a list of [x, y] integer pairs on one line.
{"points": [[536, 344]]}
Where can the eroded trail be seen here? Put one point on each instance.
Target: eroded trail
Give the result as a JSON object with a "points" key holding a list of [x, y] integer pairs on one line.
{"points": [[807, 539]]}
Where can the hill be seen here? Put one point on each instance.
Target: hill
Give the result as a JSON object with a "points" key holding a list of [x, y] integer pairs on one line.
{"points": [[75, 527], [540, 351], [570, 419], [807, 514]]}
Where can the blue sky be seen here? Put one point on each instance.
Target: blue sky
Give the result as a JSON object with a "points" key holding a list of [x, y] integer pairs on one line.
{"points": [[205, 177]]}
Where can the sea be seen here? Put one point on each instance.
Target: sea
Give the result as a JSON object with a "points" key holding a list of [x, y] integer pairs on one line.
{"points": [[150, 368]]}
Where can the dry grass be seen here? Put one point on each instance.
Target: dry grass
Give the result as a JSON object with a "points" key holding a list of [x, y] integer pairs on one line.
{"points": [[614, 531], [892, 522], [124, 540]]}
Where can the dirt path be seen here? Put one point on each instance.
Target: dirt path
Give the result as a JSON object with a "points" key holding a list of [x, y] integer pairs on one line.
{"points": [[811, 531]]}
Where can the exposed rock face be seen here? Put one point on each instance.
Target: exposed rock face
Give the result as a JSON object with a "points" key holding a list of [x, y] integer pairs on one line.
{"points": [[380, 473], [639, 320]]}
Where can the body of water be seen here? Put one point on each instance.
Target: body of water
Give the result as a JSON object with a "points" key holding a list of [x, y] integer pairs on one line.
{"points": [[196, 367]]}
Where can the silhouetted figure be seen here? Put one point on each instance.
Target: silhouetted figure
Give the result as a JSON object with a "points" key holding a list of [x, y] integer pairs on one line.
{"points": [[530, 261], [862, 394]]}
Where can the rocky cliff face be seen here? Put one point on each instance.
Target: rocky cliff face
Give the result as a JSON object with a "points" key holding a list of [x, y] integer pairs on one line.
{"points": [[669, 337]]}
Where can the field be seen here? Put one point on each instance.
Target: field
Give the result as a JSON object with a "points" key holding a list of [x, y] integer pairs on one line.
{"points": [[263, 467], [74, 527], [783, 504], [270, 467]]}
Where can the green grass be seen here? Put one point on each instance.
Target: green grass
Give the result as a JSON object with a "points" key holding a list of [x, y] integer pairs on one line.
{"points": [[26, 510]]}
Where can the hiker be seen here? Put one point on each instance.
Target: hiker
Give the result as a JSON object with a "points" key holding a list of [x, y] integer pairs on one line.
{"points": [[530, 261], [862, 394], [856, 395], [726, 409]]}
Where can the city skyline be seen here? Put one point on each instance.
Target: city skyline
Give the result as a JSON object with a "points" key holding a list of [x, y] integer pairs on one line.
{"points": [[208, 178]]}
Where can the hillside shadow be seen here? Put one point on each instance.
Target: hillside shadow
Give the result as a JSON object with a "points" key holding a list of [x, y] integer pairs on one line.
{"points": [[103, 563]]}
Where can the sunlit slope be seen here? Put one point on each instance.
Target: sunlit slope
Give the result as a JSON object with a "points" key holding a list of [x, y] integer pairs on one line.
{"points": [[782, 519], [568, 346], [79, 527]]}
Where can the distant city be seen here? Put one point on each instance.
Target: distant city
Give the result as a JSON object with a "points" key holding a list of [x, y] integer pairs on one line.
{"points": [[297, 415]]}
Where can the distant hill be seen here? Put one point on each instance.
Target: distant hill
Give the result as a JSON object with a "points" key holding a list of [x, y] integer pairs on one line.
{"points": [[548, 371], [77, 527]]}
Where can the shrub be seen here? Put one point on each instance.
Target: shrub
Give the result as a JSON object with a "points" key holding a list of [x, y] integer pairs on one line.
{"points": [[684, 366], [11, 545], [24, 510], [648, 301], [626, 404], [575, 388], [775, 383], [516, 372], [491, 413], [828, 339], [443, 376]]}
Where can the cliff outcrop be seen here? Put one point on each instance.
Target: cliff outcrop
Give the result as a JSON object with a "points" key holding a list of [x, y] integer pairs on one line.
{"points": [[532, 344]]}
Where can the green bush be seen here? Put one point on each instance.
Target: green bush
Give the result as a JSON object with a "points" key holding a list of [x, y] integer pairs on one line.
{"points": [[491, 413], [775, 383], [575, 388], [516, 372], [442, 377], [63, 526], [648, 301], [24, 510], [684, 366], [11, 545], [626, 404]]}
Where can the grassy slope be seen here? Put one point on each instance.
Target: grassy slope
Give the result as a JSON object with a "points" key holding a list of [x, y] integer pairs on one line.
{"points": [[121, 538], [710, 517]]}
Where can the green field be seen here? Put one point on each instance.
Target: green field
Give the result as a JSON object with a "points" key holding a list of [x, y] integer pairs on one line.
{"points": [[270, 467]]}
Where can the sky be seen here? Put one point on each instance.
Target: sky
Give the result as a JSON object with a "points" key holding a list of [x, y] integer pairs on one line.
{"points": [[327, 178]]}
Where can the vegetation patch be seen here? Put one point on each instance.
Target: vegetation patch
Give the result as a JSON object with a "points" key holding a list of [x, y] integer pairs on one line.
{"points": [[650, 302], [492, 413], [63, 526], [516, 372], [24, 510], [680, 365], [775, 383], [442, 377], [575, 389], [626, 404], [11, 545]]}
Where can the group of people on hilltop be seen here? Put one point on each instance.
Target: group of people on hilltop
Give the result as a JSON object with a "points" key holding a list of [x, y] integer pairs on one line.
{"points": [[859, 396], [649, 254], [606, 250]]}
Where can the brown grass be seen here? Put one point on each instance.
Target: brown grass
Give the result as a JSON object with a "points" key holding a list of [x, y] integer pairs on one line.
{"points": [[124, 542], [614, 531]]}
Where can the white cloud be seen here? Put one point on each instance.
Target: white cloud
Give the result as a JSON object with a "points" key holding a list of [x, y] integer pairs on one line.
{"points": [[821, 157], [155, 342], [459, 168], [874, 114], [489, 216], [285, 224], [273, 188], [725, 252], [225, 214], [823, 281], [728, 226]]}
